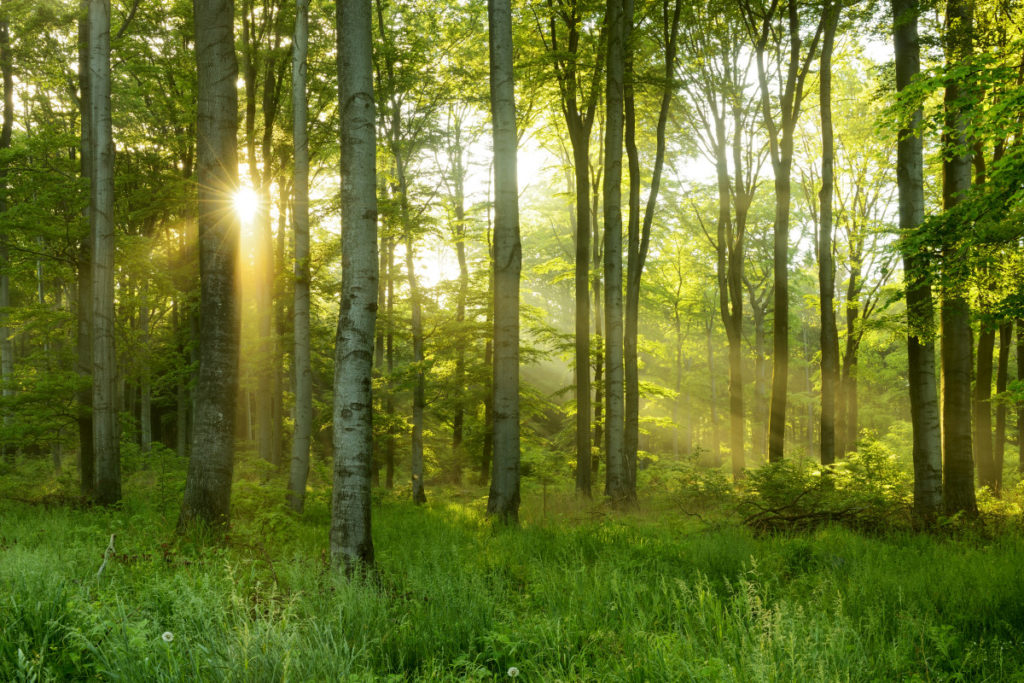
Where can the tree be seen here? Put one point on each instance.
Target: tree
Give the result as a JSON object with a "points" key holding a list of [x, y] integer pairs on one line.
{"points": [[617, 483], [6, 333], [300, 219], [761, 26], [351, 540], [957, 338], [105, 431], [208, 482], [639, 239], [924, 403], [826, 268], [503, 500], [578, 101]]}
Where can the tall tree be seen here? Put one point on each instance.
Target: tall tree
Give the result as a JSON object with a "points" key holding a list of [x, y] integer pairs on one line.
{"points": [[826, 268], [351, 540], [579, 92], [6, 333], [503, 500], [924, 402], [208, 482], [762, 25], [101, 205], [83, 347], [639, 238], [617, 483], [957, 338], [300, 219]]}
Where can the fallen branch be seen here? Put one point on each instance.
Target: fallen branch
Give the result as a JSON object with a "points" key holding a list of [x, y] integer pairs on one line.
{"points": [[106, 555]]}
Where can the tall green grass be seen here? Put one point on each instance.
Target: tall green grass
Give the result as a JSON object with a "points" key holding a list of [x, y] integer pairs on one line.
{"points": [[585, 594]]}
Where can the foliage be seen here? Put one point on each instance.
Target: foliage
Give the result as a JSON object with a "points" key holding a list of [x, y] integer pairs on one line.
{"points": [[611, 598], [867, 491]]}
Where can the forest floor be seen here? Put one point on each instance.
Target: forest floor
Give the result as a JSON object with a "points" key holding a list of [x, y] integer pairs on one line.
{"points": [[579, 592]]}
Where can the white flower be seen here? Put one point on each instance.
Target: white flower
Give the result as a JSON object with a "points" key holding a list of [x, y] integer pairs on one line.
{"points": [[513, 672], [167, 636]]}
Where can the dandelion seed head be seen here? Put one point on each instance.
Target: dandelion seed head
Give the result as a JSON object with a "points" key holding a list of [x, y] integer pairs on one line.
{"points": [[167, 636]]}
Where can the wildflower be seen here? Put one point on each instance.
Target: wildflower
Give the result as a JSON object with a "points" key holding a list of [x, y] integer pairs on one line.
{"points": [[167, 636], [513, 672]]}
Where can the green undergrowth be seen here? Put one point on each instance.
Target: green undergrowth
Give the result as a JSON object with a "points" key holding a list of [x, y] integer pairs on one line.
{"points": [[579, 592]]}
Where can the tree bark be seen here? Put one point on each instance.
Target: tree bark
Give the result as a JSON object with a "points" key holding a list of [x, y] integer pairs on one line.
{"points": [[780, 139], [351, 540], [617, 470], [982, 408], [104, 360], [957, 338], [924, 403], [826, 269], [1002, 378], [503, 500], [6, 333], [299, 471], [208, 482], [419, 495]]}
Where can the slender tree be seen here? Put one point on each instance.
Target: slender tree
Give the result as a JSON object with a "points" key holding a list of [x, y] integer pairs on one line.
{"points": [[351, 540], [503, 501], [208, 482], [83, 346], [639, 238], [617, 485], [761, 23], [6, 333], [924, 402], [101, 203], [957, 338], [300, 219], [826, 268], [1002, 378]]}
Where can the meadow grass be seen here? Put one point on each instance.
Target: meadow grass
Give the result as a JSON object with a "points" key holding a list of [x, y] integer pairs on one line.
{"points": [[579, 592]]}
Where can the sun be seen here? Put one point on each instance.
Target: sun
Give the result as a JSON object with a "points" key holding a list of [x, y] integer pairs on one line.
{"points": [[247, 204]]}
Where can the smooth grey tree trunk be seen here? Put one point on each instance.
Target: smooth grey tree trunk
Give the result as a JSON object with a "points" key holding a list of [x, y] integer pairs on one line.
{"points": [[616, 471], [351, 540], [208, 481], [503, 500], [83, 344], [924, 402], [299, 471], [145, 380], [957, 337], [104, 362], [826, 269]]}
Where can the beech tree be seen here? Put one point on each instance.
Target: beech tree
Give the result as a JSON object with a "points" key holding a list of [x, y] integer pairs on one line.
{"points": [[210, 467], [351, 540], [105, 432], [503, 501]]}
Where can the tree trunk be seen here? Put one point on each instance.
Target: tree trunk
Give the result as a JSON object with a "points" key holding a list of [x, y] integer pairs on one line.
{"points": [[351, 541], [503, 500], [104, 396], [145, 383], [982, 408], [208, 482], [299, 472], [458, 419], [6, 333], [1002, 377], [826, 269], [957, 338], [924, 404], [1020, 405], [581, 167], [617, 485], [419, 494]]}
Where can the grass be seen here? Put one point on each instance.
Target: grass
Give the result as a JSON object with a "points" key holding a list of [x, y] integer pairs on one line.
{"points": [[578, 593]]}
